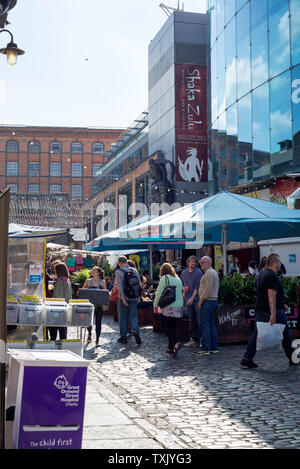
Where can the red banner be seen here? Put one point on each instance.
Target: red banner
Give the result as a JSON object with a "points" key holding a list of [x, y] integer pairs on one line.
{"points": [[191, 123]]}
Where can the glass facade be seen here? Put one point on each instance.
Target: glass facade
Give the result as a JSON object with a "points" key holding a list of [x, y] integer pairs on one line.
{"points": [[255, 89]]}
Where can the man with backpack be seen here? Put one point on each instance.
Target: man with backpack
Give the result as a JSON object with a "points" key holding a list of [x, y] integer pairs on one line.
{"points": [[129, 291]]}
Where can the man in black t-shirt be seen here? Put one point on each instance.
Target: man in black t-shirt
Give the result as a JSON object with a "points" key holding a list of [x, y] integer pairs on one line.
{"points": [[269, 307]]}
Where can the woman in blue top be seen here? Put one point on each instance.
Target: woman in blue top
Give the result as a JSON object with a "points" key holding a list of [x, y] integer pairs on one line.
{"points": [[97, 281]]}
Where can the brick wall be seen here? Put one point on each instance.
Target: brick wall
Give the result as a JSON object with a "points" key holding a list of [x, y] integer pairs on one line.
{"points": [[45, 135]]}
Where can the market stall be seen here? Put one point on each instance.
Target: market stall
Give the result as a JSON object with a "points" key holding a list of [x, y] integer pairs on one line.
{"points": [[28, 309], [220, 219]]}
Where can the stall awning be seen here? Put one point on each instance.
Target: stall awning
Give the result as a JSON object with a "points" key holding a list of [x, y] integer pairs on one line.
{"points": [[27, 231]]}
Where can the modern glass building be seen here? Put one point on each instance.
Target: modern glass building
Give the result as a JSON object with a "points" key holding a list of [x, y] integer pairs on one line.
{"points": [[254, 98]]}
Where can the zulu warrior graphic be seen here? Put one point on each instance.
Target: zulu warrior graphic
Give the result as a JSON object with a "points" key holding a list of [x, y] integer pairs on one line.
{"points": [[191, 169]]}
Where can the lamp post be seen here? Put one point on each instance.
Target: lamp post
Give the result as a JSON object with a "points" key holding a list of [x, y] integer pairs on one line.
{"points": [[11, 50]]}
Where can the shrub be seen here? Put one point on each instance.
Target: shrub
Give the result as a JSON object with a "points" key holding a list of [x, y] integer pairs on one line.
{"points": [[81, 276]]}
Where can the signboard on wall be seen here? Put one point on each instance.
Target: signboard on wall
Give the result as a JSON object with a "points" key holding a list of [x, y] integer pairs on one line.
{"points": [[191, 123]]}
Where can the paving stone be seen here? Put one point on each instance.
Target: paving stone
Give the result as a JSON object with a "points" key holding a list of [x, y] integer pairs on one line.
{"points": [[206, 400], [136, 443], [103, 415]]}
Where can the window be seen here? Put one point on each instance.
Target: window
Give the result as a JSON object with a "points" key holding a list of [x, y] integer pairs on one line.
{"points": [[55, 188], [280, 111], [34, 147], [279, 36], [230, 56], [13, 188], [243, 50], [98, 147], [76, 169], [261, 118], [33, 169], [12, 168], [12, 146], [76, 191], [55, 169], [76, 147], [55, 147], [33, 188], [221, 82], [220, 16], [96, 166], [259, 42], [295, 31], [229, 10], [261, 132]]}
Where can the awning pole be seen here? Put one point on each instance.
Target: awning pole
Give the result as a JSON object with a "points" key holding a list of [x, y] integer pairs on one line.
{"points": [[151, 260], [224, 244]]}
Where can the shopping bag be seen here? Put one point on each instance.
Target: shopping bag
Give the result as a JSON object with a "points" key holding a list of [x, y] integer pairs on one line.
{"points": [[114, 294], [269, 336]]}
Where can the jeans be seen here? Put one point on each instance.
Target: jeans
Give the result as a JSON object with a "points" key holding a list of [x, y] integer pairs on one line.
{"points": [[169, 325], [208, 328], [286, 342], [194, 326], [98, 318], [128, 313]]}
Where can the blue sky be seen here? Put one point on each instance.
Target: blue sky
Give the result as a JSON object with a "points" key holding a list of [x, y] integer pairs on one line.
{"points": [[53, 84]]}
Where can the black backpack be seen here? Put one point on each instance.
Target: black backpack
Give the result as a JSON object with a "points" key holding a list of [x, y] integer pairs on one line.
{"points": [[132, 288]]}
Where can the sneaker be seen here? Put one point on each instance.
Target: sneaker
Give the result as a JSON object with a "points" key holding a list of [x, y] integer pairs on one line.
{"points": [[202, 351], [215, 352], [122, 341], [191, 343], [248, 364], [137, 338]]}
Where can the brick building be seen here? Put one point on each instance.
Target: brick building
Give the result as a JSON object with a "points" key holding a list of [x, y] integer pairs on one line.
{"points": [[53, 160]]}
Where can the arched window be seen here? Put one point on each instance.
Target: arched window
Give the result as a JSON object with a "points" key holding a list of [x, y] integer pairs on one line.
{"points": [[34, 147], [98, 147], [12, 146], [55, 147], [76, 147]]}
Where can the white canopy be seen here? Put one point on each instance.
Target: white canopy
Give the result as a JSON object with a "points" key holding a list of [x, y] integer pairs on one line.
{"points": [[27, 231]]}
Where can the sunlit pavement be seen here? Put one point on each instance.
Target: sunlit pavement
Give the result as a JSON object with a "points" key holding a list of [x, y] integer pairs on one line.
{"points": [[153, 400]]}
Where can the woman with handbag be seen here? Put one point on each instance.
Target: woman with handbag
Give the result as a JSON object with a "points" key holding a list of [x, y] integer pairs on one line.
{"points": [[169, 301]]}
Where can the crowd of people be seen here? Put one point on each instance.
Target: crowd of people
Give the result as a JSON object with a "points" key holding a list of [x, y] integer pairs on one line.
{"points": [[193, 294]]}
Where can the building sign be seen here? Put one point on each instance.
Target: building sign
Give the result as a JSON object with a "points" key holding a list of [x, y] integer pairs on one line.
{"points": [[35, 274], [191, 123]]}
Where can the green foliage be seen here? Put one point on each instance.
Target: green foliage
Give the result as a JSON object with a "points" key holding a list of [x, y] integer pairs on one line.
{"points": [[107, 268], [81, 276], [290, 286], [239, 290]]}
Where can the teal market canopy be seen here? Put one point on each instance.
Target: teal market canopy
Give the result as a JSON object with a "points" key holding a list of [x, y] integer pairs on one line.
{"points": [[220, 219], [242, 216]]}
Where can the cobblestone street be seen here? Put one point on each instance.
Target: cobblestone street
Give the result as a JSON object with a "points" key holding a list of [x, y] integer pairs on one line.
{"points": [[195, 401]]}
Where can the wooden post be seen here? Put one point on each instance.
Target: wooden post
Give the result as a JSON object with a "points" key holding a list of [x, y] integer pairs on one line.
{"points": [[4, 223]]}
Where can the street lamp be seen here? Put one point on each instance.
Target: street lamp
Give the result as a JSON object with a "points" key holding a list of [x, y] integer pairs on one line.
{"points": [[11, 50]]}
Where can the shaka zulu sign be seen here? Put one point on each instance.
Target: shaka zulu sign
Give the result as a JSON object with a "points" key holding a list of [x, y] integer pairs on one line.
{"points": [[191, 123]]}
